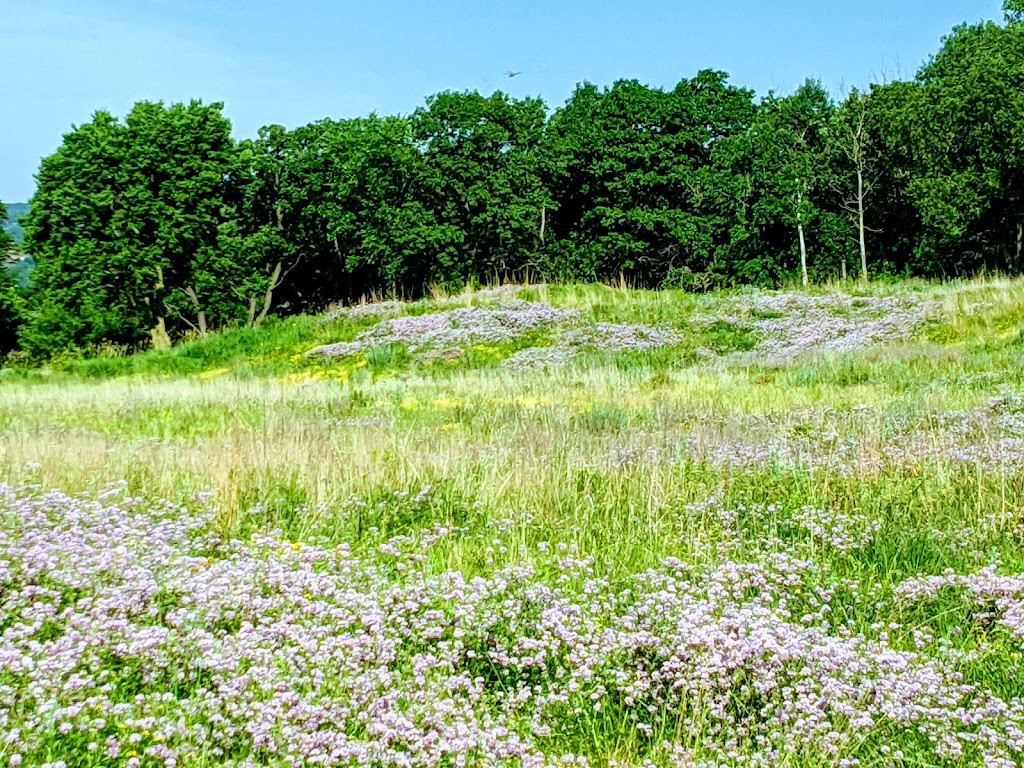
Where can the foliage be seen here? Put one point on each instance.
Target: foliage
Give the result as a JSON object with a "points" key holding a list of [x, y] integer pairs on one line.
{"points": [[11, 309], [963, 125], [126, 217], [633, 179], [160, 225]]}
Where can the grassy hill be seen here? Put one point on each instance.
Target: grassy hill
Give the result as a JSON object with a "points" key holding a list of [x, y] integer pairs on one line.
{"points": [[573, 524]]}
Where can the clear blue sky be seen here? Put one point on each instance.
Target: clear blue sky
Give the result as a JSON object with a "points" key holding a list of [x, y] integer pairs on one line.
{"points": [[294, 61]]}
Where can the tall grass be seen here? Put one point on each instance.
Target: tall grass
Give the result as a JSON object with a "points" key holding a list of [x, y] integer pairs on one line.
{"points": [[616, 455]]}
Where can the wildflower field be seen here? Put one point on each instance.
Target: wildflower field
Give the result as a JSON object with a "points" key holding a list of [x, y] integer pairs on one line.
{"points": [[527, 526]]}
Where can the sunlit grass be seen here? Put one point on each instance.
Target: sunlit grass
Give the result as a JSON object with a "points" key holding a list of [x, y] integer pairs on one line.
{"points": [[613, 453]]}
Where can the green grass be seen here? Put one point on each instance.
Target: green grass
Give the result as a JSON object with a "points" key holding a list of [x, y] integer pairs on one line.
{"points": [[613, 453]]}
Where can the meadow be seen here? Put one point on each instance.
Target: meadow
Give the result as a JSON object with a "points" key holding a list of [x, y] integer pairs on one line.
{"points": [[527, 525]]}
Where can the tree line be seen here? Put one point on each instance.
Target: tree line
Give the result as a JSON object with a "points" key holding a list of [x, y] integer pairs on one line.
{"points": [[160, 224]]}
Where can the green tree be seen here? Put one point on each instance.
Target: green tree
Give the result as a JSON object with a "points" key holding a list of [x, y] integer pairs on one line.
{"points": [[784, 191], [383, 225], [125, 219], [11, 311], [6, 241], [963, 121], [635, 190], [853, 154], [10, 300], [482, 176]]}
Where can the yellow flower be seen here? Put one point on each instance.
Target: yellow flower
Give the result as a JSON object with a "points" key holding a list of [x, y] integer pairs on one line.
{"points": [[214, 373], [486, 350]]}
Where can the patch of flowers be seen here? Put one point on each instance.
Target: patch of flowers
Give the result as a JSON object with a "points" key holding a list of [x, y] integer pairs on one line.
{"points": [[131, 634], [463, 327], [393, 308], [509, 321], [862, 440], [1000, 597], [794, 323], [844, 531], [605, 337]]}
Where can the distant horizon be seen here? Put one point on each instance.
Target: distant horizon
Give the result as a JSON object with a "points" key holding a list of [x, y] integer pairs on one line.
{"points": [[323, 61]]}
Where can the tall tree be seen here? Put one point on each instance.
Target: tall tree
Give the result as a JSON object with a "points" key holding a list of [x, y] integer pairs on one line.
{"points": [[964, 121], [10, 300], [6, 241], [124, 216], [851, 140], [784, 188], [631, 179], [482, 175]]}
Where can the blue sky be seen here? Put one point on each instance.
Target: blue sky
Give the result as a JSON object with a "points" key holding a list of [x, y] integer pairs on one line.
{"points": [[294, 61]]}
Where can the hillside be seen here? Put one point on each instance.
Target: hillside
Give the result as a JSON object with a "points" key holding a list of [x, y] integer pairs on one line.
{"points": [[14, 212], [543, 521]]}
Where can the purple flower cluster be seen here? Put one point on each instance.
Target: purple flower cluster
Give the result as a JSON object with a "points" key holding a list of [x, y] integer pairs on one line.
{"points": [[863, 440], [603, 337], [391, 308], [844, 531], [1001, 596], [794, 323], [130, 635], [461, 327], [507, 322]]}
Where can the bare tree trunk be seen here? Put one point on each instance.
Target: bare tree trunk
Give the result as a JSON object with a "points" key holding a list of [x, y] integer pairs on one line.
{"points": [[803, 244], [543, 223], [159, 335], [200, 314], [161, 339], [1020, 243], [863, 234], [844, 269], [803, 254], [268, 298]]}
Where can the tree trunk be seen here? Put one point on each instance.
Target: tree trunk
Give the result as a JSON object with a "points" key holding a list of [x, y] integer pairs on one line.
{"points": [[800, 232], [268, 298], [844, 269], [1020, 244], [863, 233], [200, 314], [803, 254], [543, 223], [159, 335]]}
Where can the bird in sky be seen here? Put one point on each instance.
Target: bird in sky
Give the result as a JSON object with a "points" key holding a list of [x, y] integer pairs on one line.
{"points": [[512, 74]]}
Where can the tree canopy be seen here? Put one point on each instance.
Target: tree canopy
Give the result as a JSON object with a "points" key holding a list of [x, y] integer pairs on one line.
{"points": [[160, 224]]}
